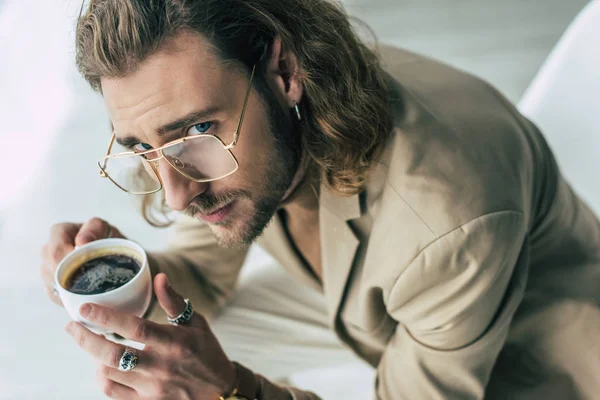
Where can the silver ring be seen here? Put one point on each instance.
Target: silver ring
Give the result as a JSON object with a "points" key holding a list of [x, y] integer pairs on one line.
{"points": [[185, 316], [55, 291], [129, 360]]}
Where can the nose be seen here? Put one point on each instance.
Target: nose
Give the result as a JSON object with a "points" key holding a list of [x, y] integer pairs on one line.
{"points": [[179, 190]]}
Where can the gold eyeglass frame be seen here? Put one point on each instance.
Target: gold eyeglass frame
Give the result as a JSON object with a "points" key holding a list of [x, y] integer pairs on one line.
{"points": [[154, 162]]}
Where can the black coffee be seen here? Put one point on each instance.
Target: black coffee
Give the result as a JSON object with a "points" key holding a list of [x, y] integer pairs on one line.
{"points": [[102, 274]]}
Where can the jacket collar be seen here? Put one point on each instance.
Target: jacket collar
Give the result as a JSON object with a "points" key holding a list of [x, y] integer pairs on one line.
{"points": [[338, 244]]}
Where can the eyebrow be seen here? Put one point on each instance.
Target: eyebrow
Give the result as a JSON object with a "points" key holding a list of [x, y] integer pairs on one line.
{"points": [[179, 123]]}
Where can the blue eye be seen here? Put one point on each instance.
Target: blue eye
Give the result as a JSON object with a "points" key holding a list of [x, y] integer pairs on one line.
{"points": [[202, 127], [142, 147]]}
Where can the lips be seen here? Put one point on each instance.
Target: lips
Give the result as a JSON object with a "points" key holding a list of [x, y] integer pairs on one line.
{"points": [[218, 215]]}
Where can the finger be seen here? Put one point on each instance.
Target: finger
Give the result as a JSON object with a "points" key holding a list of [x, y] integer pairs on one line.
{"points": [[94, 229], [61, 243], [168, 298], [131, 379], [115, 390], [126, 325], [44, 251], [53, 296], [55, 299], [48, 278], [47, 274], [65, 230], [171, 301], [45, 269], [102, 349]]}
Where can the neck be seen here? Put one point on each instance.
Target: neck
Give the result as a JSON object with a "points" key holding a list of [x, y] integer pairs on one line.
{"points": [[303, 195]]}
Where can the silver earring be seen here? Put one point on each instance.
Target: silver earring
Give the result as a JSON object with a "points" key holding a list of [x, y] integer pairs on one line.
{"points": [[297, 109]]}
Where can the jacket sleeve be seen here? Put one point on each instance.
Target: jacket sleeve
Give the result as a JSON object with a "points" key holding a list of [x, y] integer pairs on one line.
{"points": [[454, 304], [197, 267]]}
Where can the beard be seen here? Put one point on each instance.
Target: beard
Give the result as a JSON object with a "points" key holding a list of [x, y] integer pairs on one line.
{"points": [[277, 176]]}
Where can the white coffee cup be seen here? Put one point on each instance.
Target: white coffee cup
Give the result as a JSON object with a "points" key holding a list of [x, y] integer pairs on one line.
{"points": [[132, 298]]}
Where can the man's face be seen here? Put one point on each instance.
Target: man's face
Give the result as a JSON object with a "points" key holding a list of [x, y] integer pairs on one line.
{"points": [[188, 78]]}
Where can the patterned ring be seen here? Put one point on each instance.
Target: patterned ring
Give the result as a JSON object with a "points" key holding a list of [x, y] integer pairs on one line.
{"points": [[185, 316], [129, 360]]}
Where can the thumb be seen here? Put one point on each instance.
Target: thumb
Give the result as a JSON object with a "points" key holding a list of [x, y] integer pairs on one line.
{"points": [[170, 301], [96, 229]]}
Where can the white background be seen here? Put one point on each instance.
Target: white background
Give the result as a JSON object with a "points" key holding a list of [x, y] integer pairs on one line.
{"points": [[53, 128]]}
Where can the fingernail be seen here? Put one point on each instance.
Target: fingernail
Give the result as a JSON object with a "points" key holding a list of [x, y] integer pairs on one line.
{"points": [[69, 328], [85, 310]]}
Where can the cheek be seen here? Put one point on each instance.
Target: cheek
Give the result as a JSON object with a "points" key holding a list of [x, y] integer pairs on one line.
{"points": [[255, 151], [255, 141], [243, 210]]}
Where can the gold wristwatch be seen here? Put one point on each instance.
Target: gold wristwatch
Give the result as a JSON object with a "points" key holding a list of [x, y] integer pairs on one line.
{"points": [[246, 387]]}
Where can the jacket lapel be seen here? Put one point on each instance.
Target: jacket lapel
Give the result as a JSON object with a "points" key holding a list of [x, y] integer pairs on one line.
{"points": [[338, 244], [279, 246]]}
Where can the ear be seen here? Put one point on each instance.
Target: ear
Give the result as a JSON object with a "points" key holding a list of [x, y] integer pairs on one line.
{"points": [[282, 68]]}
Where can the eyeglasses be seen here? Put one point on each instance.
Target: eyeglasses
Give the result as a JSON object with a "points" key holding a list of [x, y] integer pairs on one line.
{"points": [[200, 158]]}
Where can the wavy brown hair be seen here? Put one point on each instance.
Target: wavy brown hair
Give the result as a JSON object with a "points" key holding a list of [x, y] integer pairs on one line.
{"points": [[347, 117]]}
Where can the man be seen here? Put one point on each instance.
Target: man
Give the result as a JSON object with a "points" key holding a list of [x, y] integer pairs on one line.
{"points": [[452, 255]]}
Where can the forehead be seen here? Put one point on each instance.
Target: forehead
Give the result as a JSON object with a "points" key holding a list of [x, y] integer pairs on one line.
{"points": [[181, 77]]}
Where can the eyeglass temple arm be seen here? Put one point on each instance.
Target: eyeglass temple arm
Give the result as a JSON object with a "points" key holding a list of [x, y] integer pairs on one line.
{"points": [[237, 131], [110, 145]]}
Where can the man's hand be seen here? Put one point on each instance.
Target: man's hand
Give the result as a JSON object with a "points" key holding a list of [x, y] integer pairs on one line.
{"points": [[63, 239], [178, 362]]}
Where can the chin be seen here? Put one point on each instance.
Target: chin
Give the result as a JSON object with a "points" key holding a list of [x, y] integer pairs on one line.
{"points": [[244, 226], [235, 232], [229, 237]]}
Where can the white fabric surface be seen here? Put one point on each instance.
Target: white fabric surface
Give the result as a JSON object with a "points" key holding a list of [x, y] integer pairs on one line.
{"points": [[279, 328]]}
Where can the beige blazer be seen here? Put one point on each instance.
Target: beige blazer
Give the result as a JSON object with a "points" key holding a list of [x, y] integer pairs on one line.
{"points": [[467, 263]]}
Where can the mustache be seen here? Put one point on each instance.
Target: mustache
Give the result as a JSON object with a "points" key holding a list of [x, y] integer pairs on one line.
{"points": [[207, 203]]}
